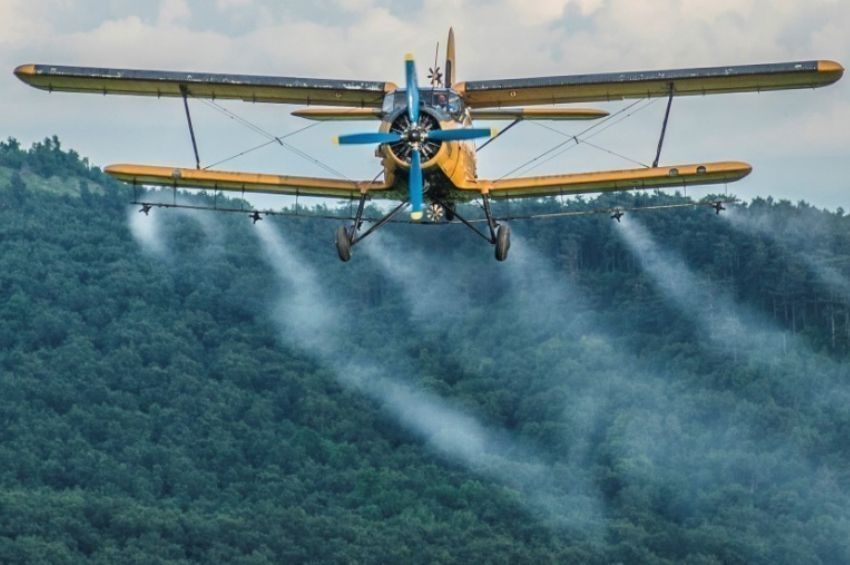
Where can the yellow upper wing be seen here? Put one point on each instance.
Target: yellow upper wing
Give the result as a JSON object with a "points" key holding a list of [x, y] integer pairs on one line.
{"points": [[281, 90], [611, 181], [242, 182], [644, 84]]}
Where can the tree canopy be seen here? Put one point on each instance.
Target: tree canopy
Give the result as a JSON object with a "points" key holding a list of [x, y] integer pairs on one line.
{"points": [[152, 408]]}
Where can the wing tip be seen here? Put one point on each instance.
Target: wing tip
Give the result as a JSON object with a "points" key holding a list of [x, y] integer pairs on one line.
{"points": [[832, 68], [743, 165], [126, 170], [24, 72]]}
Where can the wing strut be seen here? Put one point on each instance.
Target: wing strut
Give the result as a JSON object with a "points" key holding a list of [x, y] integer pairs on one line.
{"points": [[498, 135], [185, 93], [491, 223], [663, 128]]}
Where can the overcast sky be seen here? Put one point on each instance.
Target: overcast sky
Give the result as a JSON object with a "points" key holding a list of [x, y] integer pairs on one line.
{"points": [[798, 142]]}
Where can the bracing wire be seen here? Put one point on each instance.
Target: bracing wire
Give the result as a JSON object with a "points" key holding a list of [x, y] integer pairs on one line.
{"points": [[261, 146], [273, 138], [593, 145], [650, 102], [578, 138]]}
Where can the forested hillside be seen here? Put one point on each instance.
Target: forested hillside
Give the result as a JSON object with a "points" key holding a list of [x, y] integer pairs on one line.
{"points": [[187, 387]]}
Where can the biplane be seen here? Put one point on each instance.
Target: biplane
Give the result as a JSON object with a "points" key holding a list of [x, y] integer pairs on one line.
{"points": [[425, 136]]}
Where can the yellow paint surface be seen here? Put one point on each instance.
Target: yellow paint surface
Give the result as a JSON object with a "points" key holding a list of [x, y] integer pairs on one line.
{"points": [[538, 114], [241, 182], [611, 181]]}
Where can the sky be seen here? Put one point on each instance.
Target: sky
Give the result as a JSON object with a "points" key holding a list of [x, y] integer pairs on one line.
{"points": [[798, 141]]}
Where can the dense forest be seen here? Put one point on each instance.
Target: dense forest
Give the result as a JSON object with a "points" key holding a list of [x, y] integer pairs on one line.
{"points": [[188, 387]]}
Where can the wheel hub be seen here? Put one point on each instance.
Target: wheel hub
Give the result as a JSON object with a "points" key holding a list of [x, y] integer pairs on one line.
{"points": [[435, 212], [414, 135]]}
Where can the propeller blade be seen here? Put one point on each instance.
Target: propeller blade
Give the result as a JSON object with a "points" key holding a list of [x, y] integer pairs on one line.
{"points": [[459, 134], [368, 138], [412, 89], [415, 185]]}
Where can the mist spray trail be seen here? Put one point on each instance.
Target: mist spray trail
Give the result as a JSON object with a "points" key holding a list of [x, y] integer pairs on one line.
{"points": [[814, 381], [550, 325], [545, 301], [598, 377], [147, 231], [645, 409], [314, 322], [437, 298], [152, 230], [732, 326], [762, 224], [211, 227]]}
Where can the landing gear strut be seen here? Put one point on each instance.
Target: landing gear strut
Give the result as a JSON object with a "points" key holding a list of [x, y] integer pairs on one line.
{"points": [[498, 235], [348, 237]]}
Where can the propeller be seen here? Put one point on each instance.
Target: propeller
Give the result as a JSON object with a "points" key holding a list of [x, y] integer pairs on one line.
{"points": [[414, 136], [368, 138], [435, 76]]}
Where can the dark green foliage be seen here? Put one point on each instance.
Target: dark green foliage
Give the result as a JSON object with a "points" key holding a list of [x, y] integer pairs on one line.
{"points": [[17, 188], [10, 153], [151, 412]]}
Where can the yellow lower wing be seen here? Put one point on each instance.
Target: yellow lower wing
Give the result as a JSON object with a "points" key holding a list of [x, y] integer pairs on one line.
{"points": [[538, 114], [242, 182], [610, 181]]}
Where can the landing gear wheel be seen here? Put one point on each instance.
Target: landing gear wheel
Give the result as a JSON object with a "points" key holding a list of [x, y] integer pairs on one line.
{"points": [[503, 242], [343, 244]]}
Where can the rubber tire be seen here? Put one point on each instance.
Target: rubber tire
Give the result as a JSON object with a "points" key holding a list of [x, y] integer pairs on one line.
{"points": [[343, 244], [503, 242]]}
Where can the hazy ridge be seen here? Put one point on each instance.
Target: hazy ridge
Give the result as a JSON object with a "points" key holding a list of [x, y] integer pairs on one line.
{"points": [[176, 388]]}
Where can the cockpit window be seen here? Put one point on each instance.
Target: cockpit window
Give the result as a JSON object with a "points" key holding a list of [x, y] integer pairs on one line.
{"points": [[440, 100], [455, 105], [446, 102]]}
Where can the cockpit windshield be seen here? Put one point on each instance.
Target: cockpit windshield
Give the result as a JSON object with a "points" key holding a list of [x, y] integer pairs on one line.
{"points": [[444, 101]]}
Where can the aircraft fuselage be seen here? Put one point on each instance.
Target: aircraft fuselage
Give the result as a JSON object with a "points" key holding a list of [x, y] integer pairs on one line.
{"points": [[447, 165]]}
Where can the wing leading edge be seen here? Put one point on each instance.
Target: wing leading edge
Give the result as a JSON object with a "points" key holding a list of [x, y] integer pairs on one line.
{"points": [[612, 181], [242, 182], [250, 88], [643, 84]]}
